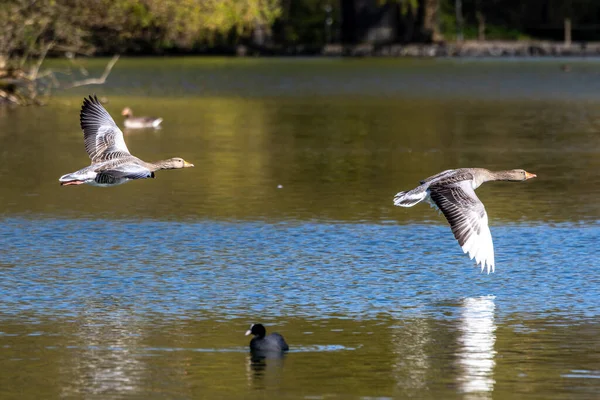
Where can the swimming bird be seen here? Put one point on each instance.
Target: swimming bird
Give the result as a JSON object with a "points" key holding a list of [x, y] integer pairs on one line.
{"points": [[453, 193], [271, 343], [132, 122], [112, 164]]}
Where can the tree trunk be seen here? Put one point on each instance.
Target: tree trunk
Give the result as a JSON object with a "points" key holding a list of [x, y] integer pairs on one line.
{"points": [[567, 31], [431, 19], [480, 26], [480, 21], [459, 20]]}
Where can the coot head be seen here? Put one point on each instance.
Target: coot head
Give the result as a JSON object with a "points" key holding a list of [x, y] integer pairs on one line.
{"points": [[257, 330]]}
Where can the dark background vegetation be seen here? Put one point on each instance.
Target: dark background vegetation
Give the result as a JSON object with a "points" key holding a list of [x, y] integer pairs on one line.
{"points": [[34, 29], [162, 26]]}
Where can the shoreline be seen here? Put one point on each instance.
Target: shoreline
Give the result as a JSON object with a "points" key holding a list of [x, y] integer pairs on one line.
{"points": [[470, 49], [10, 83], [466, 49]]}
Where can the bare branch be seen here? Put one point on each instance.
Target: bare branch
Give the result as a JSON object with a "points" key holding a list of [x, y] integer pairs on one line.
{"points": [[96, 81], [33, 73], [30, 49], [47, 72], [10, 97], [76, 50]]}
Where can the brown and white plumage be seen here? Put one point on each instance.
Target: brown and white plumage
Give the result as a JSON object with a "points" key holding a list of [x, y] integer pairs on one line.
{"points": [[112, 164], [102, 137], [453, 193], [132, 122]]}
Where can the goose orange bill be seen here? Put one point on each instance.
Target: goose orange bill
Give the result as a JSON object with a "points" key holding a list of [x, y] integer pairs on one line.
{"points": [[529, 175]]}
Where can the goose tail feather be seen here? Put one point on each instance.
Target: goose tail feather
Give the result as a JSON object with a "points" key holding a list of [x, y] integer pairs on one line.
{"points": [[411, 197], [78, 176]]}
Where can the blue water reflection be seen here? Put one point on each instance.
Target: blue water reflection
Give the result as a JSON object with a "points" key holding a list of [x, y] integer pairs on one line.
{"points": [[315, 270]]}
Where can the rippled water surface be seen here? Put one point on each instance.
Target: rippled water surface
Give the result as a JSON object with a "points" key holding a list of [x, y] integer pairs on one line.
{"points": [[146, 289]]}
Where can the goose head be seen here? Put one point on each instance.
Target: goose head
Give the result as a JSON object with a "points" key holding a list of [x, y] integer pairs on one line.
{"points": [[127, 112]]}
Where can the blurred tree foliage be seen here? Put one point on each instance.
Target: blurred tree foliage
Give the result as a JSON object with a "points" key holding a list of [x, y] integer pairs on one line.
{"points": [[34, 28], [30, 26], [517, 19], [157, 25], [31, 29]]}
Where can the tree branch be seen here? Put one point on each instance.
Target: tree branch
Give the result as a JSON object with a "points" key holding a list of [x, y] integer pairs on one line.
{"points": [[96, 81], [33, 73]]}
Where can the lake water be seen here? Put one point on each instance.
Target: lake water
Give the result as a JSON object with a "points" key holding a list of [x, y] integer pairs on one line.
{"points": [[145, 290]]}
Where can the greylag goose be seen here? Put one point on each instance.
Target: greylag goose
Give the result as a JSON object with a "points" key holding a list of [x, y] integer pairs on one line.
{"points": [[132, 122], [112, 164], [453, 193]]}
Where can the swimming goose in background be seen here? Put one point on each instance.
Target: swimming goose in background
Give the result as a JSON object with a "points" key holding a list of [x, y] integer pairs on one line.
{"points": [[132, 122], [453, 193], [112, 164]]}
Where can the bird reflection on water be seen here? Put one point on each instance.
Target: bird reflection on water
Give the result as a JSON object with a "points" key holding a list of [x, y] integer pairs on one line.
{"points": [[265, 369], [476, 347]]}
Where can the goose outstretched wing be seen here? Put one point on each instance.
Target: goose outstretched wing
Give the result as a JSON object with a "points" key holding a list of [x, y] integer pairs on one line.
{"points": [[468, 219], [102, 137]]}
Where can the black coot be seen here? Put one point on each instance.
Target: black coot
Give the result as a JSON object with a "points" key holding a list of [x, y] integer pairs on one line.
{"points": [[263, 343]]}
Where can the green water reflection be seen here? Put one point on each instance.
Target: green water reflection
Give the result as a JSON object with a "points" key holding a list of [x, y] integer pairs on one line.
{"points": [[340, 158], [326, 140], [123, 355]]}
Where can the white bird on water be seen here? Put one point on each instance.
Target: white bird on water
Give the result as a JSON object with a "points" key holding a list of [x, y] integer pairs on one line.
{"points": [[453, 193], [132, 122]]}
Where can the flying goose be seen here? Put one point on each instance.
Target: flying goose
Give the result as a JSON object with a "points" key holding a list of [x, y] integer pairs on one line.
{"points": [[453, 193], [132, 122], [112, 164]]}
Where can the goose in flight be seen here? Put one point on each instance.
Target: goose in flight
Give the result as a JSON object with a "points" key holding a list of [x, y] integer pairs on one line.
{"points": [[112, 164], [453, 193]]}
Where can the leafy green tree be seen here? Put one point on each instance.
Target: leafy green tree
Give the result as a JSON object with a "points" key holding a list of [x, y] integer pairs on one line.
{"points": [[34, 28]]}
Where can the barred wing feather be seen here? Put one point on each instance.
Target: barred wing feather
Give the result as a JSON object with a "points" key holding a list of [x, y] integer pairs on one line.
{"points": [[468, 220], [102, 137]]}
